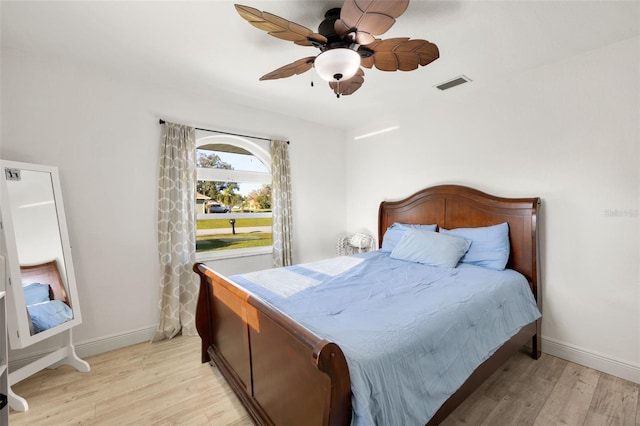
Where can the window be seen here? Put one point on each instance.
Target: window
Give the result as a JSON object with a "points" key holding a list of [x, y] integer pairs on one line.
{"points": [[233, 197]]}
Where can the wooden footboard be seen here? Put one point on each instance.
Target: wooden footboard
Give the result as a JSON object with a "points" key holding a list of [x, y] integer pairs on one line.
{"points": [[282, 373]]}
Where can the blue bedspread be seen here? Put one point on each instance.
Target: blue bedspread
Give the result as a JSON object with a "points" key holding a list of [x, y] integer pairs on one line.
{"points": [[403, 362]]}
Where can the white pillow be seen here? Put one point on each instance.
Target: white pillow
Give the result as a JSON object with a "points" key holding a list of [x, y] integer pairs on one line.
{"points": [[430, 248]]}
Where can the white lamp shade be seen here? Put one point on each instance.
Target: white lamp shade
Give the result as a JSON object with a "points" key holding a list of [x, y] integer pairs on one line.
{"points": [[337, 64]]}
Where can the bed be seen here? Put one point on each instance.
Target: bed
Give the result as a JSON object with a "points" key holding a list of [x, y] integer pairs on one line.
{"points": [[45, 297], [286, 374]]}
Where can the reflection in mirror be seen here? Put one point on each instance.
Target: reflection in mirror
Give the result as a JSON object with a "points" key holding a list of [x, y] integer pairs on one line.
{"points": [[45, 296], [39, 248]]}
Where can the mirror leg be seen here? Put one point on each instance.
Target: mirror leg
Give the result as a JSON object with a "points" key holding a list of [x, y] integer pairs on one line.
{"points": [[16, 402], [75, 361], [64, 355], [72, 359]]}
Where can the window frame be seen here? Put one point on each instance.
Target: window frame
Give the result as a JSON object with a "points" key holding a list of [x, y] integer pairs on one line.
{"points": [[224, 175]]}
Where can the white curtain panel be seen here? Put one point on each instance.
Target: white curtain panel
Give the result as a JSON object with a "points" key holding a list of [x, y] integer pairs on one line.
{"points": [[177, 232], [281, 204]]}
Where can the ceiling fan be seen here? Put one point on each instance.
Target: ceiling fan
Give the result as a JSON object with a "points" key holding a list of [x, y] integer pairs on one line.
{"points": [[346, 39]]}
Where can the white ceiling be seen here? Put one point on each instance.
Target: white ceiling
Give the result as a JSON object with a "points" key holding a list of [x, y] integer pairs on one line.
{"points": [[205, 47]]}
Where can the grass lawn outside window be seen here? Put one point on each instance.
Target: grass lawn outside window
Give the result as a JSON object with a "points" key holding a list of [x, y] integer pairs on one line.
{"points": [[217, 234]]}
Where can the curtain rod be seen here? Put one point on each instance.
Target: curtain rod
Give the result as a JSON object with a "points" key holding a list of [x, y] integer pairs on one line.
{"points": [[161, 121]]}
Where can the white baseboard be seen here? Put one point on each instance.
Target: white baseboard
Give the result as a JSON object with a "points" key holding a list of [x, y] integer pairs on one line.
{"points": [[590, 359], [116, 341]]}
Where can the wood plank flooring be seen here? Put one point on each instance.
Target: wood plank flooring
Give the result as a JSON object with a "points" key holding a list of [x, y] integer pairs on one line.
{"points": [[165, 384]]}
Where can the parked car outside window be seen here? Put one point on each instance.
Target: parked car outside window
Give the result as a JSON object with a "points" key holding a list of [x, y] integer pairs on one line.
{"points": [[217, 208]]}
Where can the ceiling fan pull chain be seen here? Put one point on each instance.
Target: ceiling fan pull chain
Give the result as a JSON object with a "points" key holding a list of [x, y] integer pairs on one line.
{"points": [[312, 66]]}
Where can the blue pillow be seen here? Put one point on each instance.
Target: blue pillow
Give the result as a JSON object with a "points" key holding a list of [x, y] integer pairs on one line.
{"points": [[36, 293], [49, 314], [489, 245], [430, 248], [395, 232]]}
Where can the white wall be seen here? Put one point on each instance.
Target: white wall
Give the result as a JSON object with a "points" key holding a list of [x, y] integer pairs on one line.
{"points": [[102, 133], [568, 133]]}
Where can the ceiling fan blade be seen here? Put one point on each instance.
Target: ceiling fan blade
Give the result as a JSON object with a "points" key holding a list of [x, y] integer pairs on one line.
{"points": [[294, 68], [369, 18], [347, 87], [280, 27], [400, 54]]}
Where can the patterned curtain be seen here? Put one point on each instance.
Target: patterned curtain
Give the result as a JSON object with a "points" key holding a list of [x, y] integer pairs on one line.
{"points": [[281, 202], [176, 232]]}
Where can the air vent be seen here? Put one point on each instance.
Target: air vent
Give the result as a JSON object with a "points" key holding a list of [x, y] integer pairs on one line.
{"points": [[453, 83]]}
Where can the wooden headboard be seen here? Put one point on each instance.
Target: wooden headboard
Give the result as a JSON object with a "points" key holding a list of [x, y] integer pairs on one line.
{"points": [[455, 206], [45, 273]]}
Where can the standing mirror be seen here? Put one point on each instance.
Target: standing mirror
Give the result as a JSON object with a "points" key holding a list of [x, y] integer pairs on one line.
{"points": [[41, 288]]}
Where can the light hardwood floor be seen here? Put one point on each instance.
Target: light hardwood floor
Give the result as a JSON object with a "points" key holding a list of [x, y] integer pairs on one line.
{"points": [[165, 384]]}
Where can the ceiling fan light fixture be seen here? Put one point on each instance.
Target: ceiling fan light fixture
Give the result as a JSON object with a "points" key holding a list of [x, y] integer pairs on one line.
{"points": [[337, 64]]}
